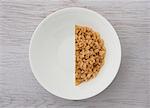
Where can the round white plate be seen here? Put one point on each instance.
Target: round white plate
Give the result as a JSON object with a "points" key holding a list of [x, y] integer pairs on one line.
{"points": [[52, 53]]}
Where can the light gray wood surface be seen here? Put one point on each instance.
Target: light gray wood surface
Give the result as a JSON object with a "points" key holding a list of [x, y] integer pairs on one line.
{"points": [[19, 88]]}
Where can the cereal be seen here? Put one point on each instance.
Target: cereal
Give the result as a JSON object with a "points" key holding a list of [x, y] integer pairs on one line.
{"points": [[90, 54]]}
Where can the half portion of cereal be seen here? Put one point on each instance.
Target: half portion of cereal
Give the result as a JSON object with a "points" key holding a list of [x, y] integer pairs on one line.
{"points": [[90, 53]]}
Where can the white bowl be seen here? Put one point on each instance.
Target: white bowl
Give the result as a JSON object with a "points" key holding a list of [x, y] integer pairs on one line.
{"points": [[52, 53]]}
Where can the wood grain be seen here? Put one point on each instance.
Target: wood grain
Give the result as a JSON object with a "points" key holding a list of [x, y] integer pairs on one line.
{"points": [[19, 88]]}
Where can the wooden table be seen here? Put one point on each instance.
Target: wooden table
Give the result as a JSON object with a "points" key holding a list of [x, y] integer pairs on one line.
{"points": [[19, 88]]}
